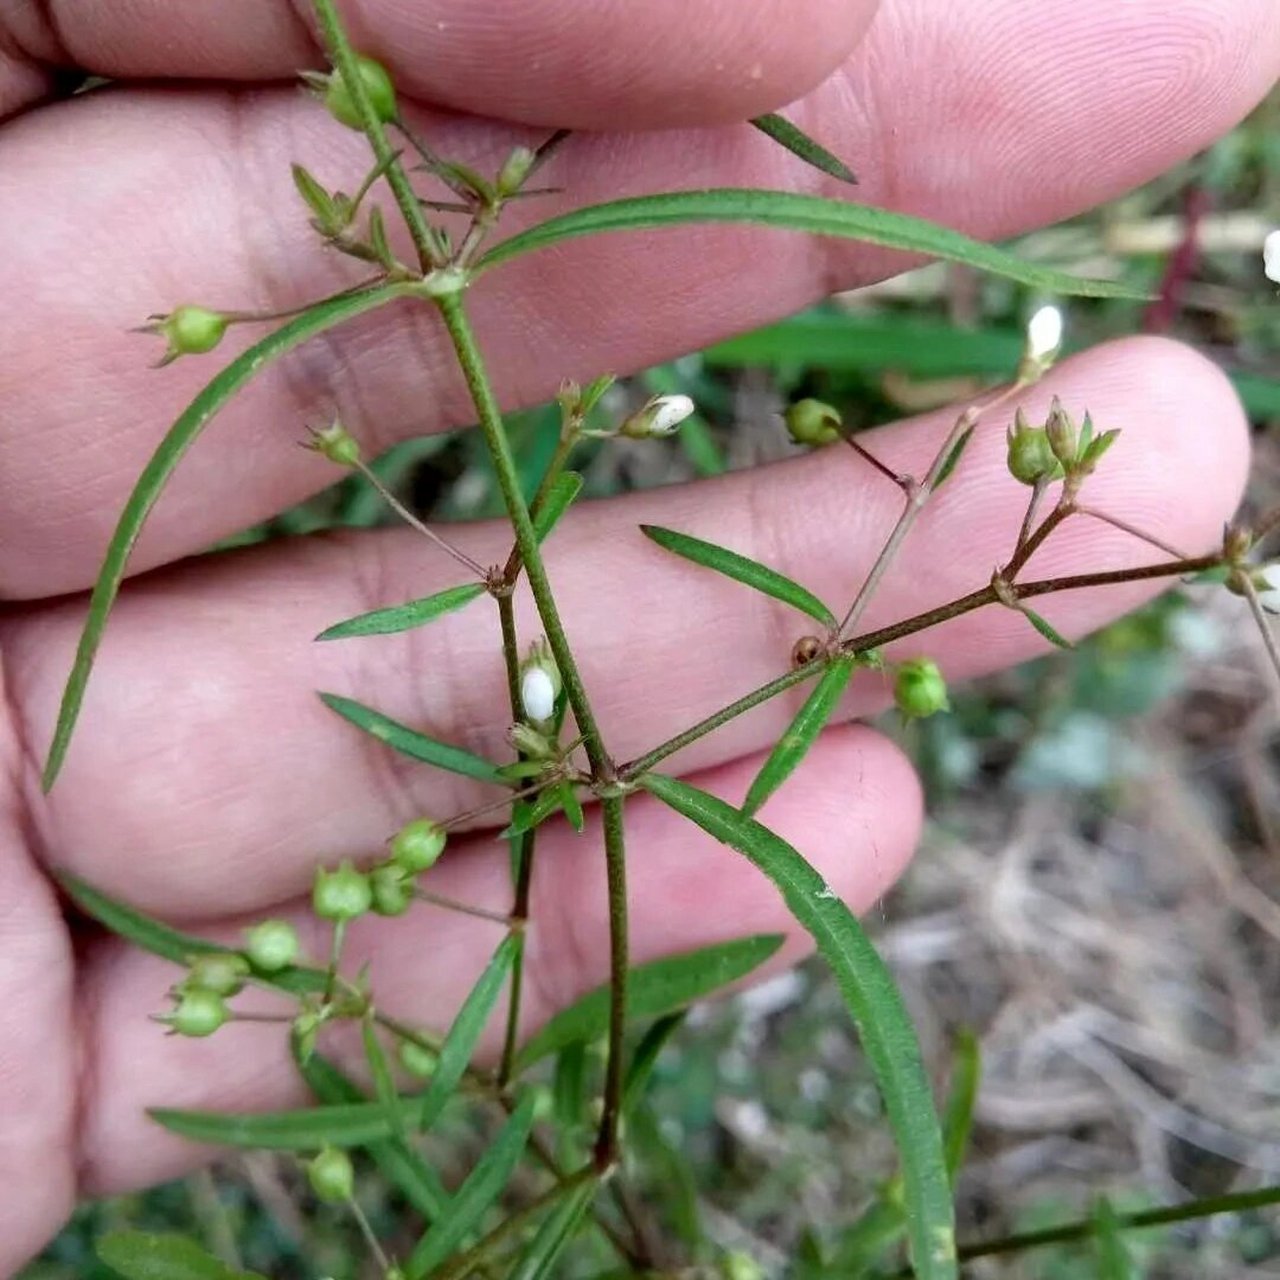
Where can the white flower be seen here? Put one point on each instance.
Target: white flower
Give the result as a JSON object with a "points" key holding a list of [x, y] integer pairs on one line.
{"points": [[1044, 334], [537, 694], [1271, 256], [658, 417]]}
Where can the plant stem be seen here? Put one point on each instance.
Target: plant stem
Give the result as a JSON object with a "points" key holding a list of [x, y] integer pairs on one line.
{"points": [[1132, 529], [1030, 545], [1260, 617], [465, 909], [469, 357], [379, 1255], [616, 869], [426, 239], [565, 446]]}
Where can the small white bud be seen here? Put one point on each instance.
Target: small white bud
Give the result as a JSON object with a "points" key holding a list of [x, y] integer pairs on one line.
{"points": [[659, 417], [539, 684], [1271, 256], [1044, 334]]}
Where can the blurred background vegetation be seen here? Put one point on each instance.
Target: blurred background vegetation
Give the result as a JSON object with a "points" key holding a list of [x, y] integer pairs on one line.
{"points": [[1098, 899]]}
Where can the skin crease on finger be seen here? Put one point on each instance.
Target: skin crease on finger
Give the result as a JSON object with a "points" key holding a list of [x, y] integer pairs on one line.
{"points": [[207, 777], [990, 144]]}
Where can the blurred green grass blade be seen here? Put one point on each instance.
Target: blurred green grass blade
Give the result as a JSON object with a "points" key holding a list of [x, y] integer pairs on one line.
{"points": [[869, 992], [569, 1102], [169, 944], [794, 139], [670, 1170], [404, 617], [962, 1097], [402, 1167], [473, 1199], [788, 211], [1114, 1262], [742, 569], [410, 742], [862, 1245], [140, 1255], [1046, 628], [384, 1085], [155, 475], [645, 1058], [468, 1026], [353, 1124], [564, 489], [801, 734], [654, 989], [555, 1234]]}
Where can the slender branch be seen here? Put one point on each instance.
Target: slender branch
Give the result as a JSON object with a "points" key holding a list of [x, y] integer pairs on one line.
{"points": [[565, 446], [466, 909], [616, 868], [1030, 545], [375, 1249], [867, 456], [1260, 617], [1132, 529], [426, 239], [1038, 491]]}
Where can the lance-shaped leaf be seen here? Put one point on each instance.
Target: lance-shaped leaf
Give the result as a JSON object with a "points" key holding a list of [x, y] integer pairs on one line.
{"points": [[645, 1058], [953, 458], [155, 475], [404, 617], [482, 1187], [468, 1026], [555, 502], [741, 569], [794, 139], [555, 1233], [1046, 628], [410, 742], [355, 1124], [872, 999], [801, 734], [788, 211], [139, 1255], [962, 1096], [1114, 1262], [169, 944], [653, 990]]}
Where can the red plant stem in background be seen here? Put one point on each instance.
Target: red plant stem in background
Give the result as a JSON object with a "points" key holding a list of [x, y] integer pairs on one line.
{"points": [[1182, 263]]}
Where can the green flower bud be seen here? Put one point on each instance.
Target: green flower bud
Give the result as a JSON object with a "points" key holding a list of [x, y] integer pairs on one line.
{"points": [[417, 1059], [418, 844], [198, 1013], [1031, 459], [660, 416], [271, 945], [221, 972], [336, 444], [812, 422], [331, 1176], [342, 894], [189, 331], [515, 170], [377, 84], [539, 683], [529, 742], [392, 889], [919, 689], [1064, 437]]}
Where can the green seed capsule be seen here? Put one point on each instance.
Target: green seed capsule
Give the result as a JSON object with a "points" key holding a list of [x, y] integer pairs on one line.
{"points": [[418, 845], [189, 331], [1030, 456], [271, 945], [337, 444], [198, 1013], [221, 972], [919, 689], [377, 84], [813, 422], [392, 889], [331, 1176], [342, 894], [416, 1059]]}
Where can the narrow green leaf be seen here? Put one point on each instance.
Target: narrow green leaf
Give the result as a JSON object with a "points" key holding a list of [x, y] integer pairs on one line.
{"points": [[139, 1255], [180, 437], [1046, 628], [572, 807], [564, 489], [670, 1168], [410, 742], [953, 458], [813, 214], [645, 1058], [353, 1124], [555, 1234], [874, 1002], [384, 1085], [482, 1187], [795, 140], [402, 1166], [569, 1102], [468, 1026], [160, 940], [1114, 1262], [741, 569], [527, 814], [404, 617], [957, 1119], [653, 990], [801, 734]]}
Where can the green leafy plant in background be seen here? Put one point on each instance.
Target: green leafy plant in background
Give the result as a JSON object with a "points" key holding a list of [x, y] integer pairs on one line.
{"points": [[544, 1181]]}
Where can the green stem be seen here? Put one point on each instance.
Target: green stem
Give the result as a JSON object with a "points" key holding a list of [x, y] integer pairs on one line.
{"points": [[495, 435], [616, 870], [567, 442], [427, 241]]}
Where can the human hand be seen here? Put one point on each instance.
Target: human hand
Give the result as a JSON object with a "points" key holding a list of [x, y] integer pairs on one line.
{"points": [[206, 781]]}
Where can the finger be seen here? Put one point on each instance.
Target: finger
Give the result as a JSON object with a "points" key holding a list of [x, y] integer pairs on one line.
{"points": [[575, 63], [207, 777], [855, 812], [197, 205]]}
